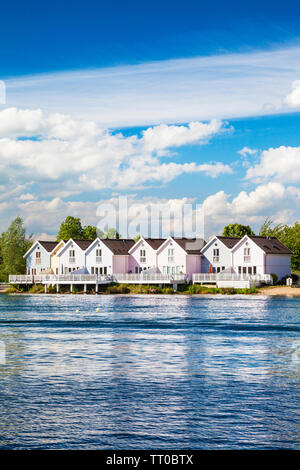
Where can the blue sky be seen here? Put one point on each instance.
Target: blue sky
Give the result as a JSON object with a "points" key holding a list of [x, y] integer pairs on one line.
{"points": [[162, 101]]}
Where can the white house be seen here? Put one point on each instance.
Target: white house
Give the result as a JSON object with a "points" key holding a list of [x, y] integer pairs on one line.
{"points": [[180, 256], [108, 256], [38, 257], [217, 254], [72, 255], [248, 255], [261, 255], [143, 254]]}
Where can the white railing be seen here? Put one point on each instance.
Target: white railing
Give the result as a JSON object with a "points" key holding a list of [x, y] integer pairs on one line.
{"points": [[149, 277], [14, 279], [213, 277]]}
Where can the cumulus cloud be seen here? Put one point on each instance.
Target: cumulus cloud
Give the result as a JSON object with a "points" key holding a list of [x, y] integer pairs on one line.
{"points": [[163, 136], [271, 199], [280, 164], [293, 98], [70, 156]]}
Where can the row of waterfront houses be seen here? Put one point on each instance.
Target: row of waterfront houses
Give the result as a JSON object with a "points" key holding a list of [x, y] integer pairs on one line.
{"points": [[251, 255]]}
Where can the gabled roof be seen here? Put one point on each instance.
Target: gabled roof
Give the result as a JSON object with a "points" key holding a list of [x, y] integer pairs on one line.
{"points": [[155, 243], [49, 245], [82, 243], [230, 242], [119, 246], [271, 245], [192, 246]]}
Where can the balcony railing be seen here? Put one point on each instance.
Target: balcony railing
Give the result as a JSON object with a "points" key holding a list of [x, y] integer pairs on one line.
{"points": [[98, 259], [72, 260], [54, 278], [213, 277], [20, 278], [153, 277]]}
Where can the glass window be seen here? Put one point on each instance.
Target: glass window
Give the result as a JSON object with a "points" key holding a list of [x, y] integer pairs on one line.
{"points": [[254, 269]]}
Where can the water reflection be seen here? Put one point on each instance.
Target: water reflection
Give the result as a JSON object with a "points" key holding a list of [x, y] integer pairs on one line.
{"points": [[149, 372]]}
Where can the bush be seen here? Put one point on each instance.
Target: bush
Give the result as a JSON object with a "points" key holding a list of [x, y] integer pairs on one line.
{"points": [[51, 289], [228, 290], [168, 290], [13, 289], [117, 289], [37, 289], [275, 278], [295, 277]]}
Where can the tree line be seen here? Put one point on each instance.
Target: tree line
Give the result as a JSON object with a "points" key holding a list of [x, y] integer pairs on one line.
{"points": [[14, 242]]}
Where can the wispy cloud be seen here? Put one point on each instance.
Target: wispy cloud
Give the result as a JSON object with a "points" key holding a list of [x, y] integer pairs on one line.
{"points": [[182, 90]]}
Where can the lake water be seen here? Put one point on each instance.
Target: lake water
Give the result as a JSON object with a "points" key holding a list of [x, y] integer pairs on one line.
{"points": [[145, 372]]}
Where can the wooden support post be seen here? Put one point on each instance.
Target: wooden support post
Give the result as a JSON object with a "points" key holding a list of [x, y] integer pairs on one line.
{"points": [[57, 288], [85, 288], [45, 288], [71, 288], [96, 288]]}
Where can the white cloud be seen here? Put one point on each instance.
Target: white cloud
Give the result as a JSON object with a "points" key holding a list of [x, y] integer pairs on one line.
{"points": [[171, 91], [72, 156], [245, 151], [163, 136], [293, 98], [280, 164], [250, 208], [271, 199]]}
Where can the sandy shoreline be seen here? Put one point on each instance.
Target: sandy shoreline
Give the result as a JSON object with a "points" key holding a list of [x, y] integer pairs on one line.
{"points": [[279, 291]]}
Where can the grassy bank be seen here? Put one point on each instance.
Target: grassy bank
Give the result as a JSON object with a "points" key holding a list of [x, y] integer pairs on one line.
{"points": [[132, 289]]}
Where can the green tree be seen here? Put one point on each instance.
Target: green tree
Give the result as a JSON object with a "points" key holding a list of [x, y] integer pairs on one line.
{"points": [[237, 230], [136, 238], [288, 235], [70, 228], [112, 233], [92, 232], [14, 245]]}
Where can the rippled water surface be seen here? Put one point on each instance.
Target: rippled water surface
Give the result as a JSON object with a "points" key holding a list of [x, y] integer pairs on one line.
{"points": [[149, 372]]}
